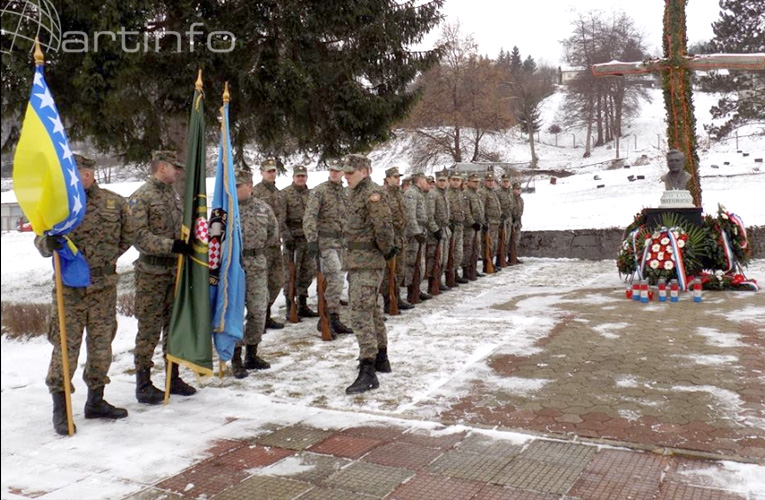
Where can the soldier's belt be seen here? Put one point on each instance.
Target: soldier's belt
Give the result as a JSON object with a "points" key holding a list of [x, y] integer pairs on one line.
{"points": [[154, 260], [252, 252], [330, 234], [362, 245], [99, 272]]}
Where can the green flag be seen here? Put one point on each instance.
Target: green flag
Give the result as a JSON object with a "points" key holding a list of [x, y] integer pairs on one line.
{"points": [[190, 339]]}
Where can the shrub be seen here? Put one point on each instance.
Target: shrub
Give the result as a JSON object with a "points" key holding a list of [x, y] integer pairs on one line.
{"points": [[20, 320], [554, 129], [126, 304]]}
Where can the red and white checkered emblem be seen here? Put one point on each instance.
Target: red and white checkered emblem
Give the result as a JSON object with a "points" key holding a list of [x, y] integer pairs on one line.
{"points": [[213, 258], [201, 230]]}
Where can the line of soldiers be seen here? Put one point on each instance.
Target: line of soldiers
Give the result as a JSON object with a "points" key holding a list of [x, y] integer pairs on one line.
{"points": [[359, 230]]}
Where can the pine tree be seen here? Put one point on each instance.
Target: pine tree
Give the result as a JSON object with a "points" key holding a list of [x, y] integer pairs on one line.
{"points": [[740, 29], [515, 60]]}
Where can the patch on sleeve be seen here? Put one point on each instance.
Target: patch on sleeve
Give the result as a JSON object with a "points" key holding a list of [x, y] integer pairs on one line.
{"points": [[110, 203], [375, 197]]}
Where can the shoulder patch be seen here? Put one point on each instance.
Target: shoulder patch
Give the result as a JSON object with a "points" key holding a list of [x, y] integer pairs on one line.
{"points": [[374, 197], [111, 203]]}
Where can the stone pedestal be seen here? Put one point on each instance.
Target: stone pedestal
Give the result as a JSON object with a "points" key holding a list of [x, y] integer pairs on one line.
{"points": [[654, 216]]}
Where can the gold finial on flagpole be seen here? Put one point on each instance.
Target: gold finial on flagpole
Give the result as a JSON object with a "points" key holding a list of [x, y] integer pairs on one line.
{"points": [[198, 85], [226, 95], [39, 58]]}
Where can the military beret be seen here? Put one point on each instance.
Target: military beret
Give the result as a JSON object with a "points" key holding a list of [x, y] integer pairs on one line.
{"points": [[392, 172], [517, 185], [299, 170], [243, 175], [356, 162], [84, 161], [442, 174], [167, 156], [268, 164]]}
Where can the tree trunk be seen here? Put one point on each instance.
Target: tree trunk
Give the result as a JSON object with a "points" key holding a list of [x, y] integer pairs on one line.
{"points": [[588, 141], [534, 159], [457, 148], [599, 118]]}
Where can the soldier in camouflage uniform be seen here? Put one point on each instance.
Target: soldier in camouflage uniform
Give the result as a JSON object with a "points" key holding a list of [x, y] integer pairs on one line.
{"points": [[103, 235], [266, 190], [475, 216], [457, 215], [323, 224], [517, 214], [438, 224], [260, 232], [492, 210], [369, 238], [416, 232], [156, 211], [295, 245], [505, 194], [397, 205]]}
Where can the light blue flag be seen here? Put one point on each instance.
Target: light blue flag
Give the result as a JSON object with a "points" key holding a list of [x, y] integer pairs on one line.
{"points": [[227, 280]]}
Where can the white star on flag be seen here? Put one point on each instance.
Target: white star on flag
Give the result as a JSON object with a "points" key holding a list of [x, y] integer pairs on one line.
{"points": [[46, 100], [77, 204], [58, 127], [39, 79], [69, 224], [67, 153], [73, 175]]}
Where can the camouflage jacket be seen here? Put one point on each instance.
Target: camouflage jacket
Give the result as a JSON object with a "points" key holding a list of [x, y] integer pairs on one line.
{"points": [[325, 214], [369, 232], [473, 207], [416, 211], [506, 202], [397, 206], [492, 208], [295, 200], [457, 205], [259, 226], [517, 210], [105, 233], [438, 209], [157, 213], [270, 194]]}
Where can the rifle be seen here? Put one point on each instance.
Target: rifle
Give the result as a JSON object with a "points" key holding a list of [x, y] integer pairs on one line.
{"points": [[293, 312], [512, 254], [474, 258], [488, 265], [436, 273], [392, 286], [417, 276], [451, 272], [326, 331], [501, 250]]}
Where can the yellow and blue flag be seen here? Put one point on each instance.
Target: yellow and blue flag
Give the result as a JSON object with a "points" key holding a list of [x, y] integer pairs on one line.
{"points": [[46, 181], [227, 280]]}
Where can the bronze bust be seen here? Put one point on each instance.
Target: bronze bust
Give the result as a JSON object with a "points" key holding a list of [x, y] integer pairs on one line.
{"points": [[677, 177]]}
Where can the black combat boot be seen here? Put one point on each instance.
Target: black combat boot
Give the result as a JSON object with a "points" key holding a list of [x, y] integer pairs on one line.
{"points": [[178, 386], [336, 325], [366, 380], [59, 414], [402, 304], [425, 295], [382, 364], [272, 323], [303, 310], [236, 364], [461, 279], [442, 287], [145, 392], [386, 303], [97, 407], [251, 359]]}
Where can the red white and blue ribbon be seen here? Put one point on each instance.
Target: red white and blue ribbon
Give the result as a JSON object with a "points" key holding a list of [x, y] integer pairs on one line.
{"points": [[682, 280], [728, 251], [741, 228]]}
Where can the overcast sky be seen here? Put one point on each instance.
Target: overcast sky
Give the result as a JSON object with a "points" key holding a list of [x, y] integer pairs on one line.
{"points": [[537, 26]]}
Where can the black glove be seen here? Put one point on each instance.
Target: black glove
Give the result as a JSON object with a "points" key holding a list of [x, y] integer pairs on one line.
{"points": [[289, 245], [312, 249], [51, 243], [485, 228], [181, 247], [476, 226], [391, 253], [420, 238], [437, 234]]}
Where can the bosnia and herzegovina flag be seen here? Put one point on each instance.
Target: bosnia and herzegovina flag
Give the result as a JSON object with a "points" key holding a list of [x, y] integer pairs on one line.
{"points": [[46, 180], [227, 280], [189, 340]]}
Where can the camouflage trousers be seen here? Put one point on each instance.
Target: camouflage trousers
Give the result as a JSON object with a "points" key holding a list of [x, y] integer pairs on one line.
{"points": [[457, 246], [153, 307], [275, 272], [443, 249], [256, 298], [92, 309], [305, 268], [366, 311], [332, 269], [494, 238], [411, 260], [468, 241]]}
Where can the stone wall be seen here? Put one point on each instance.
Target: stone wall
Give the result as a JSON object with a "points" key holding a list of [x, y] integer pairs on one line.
{"points": [[598, 244]]}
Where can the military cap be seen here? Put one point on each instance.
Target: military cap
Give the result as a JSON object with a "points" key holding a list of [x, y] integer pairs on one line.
{"points": [[489, 176], [299, 170], [167, 156], [505, 177], [442, 174], [356, 162], [416, 175], [430, 179], [268, 164], [516, 185], [392, 172], [474, 177], [243, 175], [84, 161], [455, 175]]}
